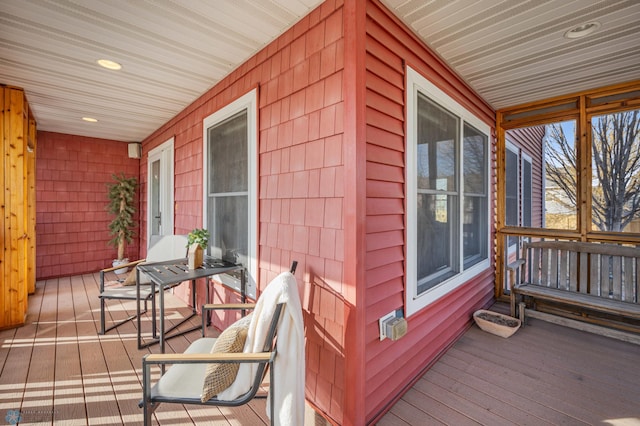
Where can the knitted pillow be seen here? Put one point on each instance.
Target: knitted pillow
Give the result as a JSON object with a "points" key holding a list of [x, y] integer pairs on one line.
{"points": [[219, 376], [131, 278]]}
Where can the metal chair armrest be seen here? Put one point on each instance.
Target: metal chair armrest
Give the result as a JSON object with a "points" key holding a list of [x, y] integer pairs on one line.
{"points": [[124, 265], [180, 358], [228, 306]]}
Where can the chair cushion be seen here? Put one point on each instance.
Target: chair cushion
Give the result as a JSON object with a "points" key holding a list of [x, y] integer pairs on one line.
{"points": [[219, 376]]}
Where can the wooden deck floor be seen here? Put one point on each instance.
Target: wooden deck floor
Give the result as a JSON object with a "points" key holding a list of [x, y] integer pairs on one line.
{"points": [[545, 374], [56, 370]]}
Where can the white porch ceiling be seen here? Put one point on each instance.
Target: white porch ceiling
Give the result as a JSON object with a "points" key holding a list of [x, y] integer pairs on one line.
{"points": [[173, 51]]}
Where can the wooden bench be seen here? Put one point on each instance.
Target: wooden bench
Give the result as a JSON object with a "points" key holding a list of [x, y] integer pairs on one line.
{"points": [[598, 282]]}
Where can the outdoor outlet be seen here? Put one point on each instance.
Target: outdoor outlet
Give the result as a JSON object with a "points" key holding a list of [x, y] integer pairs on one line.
{"points": [[382, 321], [392, 325]]}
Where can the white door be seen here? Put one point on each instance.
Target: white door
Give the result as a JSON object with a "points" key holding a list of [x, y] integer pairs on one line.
{"points": [[160, 190]]}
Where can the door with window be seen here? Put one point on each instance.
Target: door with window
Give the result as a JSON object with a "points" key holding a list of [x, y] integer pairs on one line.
{"points": [[160, 191]]}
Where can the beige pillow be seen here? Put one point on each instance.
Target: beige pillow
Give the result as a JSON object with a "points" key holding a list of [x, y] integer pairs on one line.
{"points": [[219, 376], [131, 278]]}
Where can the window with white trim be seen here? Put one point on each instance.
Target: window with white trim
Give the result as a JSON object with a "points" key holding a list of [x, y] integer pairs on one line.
{"points": [[447, 193], [230, 186]]}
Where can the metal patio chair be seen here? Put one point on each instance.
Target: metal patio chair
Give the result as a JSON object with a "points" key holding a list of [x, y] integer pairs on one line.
{"points": [[161, 248]]}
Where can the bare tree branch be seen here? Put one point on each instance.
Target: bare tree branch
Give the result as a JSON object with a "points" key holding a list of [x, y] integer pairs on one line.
{"points": [[615, 167]]}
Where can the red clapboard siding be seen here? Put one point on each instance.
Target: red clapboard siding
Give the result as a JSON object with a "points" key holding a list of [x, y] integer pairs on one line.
{"points": [[377, 49], [377, 296], [382, 104], [379, 85], [391, 365], [388, 74], [382, 240], [385, 273], [529, 139], [380, 137], [385, 256], [383, 223], [383, 155], [377, 171], [382, 120], [379, 189], [376, 206]]}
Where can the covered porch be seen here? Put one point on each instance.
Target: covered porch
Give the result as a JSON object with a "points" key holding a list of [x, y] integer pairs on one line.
{"points": [[325, 102], [544, 374]]}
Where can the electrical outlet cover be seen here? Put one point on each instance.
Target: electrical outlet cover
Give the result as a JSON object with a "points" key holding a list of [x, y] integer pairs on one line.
{"points": [[381, 321]]}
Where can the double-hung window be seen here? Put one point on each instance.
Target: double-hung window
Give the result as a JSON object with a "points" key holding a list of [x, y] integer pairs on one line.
{"points": [[230, 186], [447, 193]]}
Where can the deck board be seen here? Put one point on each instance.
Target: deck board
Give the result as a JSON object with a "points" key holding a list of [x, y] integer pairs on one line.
{"points": [[544, 374], [57, 370]]}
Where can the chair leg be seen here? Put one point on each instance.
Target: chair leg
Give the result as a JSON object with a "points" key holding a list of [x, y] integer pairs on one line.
{"points": [[146, 393], [102, 316], [272, 382]]}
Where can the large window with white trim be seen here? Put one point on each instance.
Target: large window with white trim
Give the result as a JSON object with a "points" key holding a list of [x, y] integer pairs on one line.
{"points": [[230, 186], [447, 193]]}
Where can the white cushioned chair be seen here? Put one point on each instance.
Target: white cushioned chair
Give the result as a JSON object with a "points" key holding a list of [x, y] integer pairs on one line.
{"points": [[161, 248], [193, 373]]}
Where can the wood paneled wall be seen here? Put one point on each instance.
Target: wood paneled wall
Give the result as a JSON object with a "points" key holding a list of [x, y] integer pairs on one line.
{"points": [[17, 202]]}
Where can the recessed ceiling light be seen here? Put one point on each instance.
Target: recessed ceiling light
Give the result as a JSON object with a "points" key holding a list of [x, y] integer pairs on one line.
{"points": [[90, 119], [108, 64], [583, 30]]}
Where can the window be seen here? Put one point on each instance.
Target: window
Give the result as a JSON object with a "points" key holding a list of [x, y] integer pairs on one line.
{"points": [[512, 206], [615, 171], [447, 194], [560, 176], [526, 201], [230, 186], [518, 190]]}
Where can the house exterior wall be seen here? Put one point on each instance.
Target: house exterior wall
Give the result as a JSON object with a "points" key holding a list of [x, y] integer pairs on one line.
{"points": [[331, 149], [299, 77], [391, 366], [72, 173]]}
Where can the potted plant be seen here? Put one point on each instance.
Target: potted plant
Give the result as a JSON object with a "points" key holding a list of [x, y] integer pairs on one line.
{"points": [[496, 323], [121, 195], [197, 242]]}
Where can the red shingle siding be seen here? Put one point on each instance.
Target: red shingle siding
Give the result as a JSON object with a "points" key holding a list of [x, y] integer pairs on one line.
{"points": [[392, 365], [301, 179], [71, 198]]}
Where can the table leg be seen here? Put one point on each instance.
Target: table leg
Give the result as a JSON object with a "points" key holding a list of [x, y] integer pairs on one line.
{"points": [[161, 337], [193, 297], [154, 331], [207, 300], [138, 321]]}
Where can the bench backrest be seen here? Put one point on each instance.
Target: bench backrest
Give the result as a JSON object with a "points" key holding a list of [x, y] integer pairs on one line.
{"points": [[600, 269]]}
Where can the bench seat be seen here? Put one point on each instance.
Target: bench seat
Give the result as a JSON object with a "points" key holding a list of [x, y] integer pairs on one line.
{"points": [[586, 301], [588, 278]]}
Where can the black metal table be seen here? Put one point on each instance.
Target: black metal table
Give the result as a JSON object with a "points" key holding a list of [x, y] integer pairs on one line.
{"points": [[171, 273]]}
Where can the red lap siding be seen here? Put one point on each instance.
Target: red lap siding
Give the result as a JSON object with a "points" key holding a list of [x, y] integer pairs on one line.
{"points": [[392, 365]]}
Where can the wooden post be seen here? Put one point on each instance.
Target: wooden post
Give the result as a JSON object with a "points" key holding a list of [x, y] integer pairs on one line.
{"points": [[14, 129]]}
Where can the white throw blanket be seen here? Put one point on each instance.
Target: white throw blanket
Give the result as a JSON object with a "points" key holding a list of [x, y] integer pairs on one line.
{"points": [[289, 369]]}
